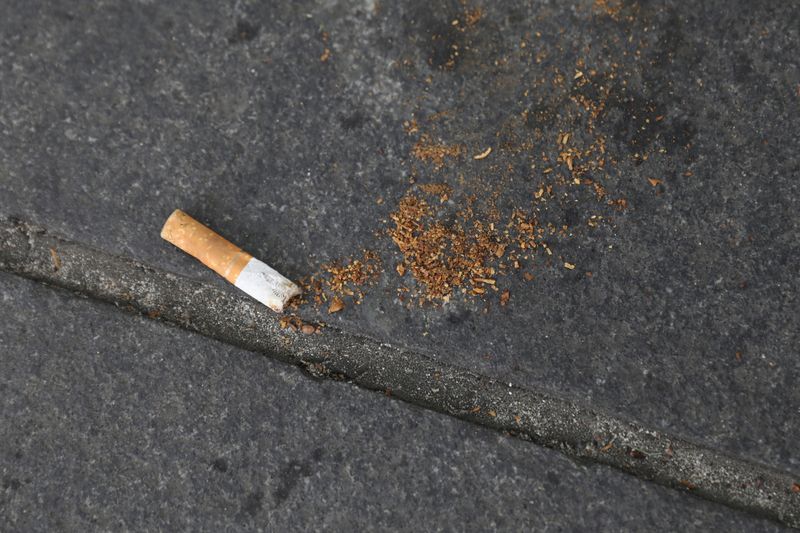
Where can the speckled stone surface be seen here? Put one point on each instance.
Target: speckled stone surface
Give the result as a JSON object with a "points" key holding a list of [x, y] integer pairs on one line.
{"points": [[114, 113]]}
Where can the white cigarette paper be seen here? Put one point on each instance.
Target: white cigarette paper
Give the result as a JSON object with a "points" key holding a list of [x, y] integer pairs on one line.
{"points": [[266, 285], [254, 277]]}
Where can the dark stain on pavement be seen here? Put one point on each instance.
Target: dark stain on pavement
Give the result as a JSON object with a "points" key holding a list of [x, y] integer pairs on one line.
{"points": [[253, 502], [293, 472], [244, 31], [220, 464]]}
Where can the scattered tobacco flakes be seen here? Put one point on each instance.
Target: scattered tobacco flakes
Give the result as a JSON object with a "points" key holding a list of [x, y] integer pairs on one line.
{"points": [[339, 281], [411, 126], [484, 226], [550, 174], [464, 245], [442, 190], [442, 250], [435, 153], [611, 8], [326, 53], [295, 323], [472, 16], [290, 322], [347, 278]]}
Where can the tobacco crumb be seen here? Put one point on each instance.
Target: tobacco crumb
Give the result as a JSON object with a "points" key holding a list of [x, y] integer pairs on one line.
{"points": [[636, 454], [473, 16], [308, 329], [56, 259], [654, 182], [483, 155], [336, 305], [411, 126], [504, 297], [326, 55], [492, 413], [290, 322], [796, 488]]}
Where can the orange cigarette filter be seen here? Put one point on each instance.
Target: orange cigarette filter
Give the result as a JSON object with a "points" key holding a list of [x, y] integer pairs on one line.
{"points": [[206, 245], [256, 278]]}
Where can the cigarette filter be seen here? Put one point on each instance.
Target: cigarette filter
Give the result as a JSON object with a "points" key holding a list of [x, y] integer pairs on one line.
{"points": [[254, 277]]}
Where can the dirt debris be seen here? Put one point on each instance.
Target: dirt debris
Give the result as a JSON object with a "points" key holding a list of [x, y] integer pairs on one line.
{"points": [[430, 151], [336, 305], [295, 323], [504, 297], [444, 250], [340, 281], [482, 155], [460, 230]]}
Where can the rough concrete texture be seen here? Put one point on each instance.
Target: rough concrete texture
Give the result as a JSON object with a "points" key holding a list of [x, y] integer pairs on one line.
{"points": [[114, 422], [114, 113]]}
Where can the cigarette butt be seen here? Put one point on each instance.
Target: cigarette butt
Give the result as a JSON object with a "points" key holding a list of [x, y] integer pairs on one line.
{"points": [[254, 277]]}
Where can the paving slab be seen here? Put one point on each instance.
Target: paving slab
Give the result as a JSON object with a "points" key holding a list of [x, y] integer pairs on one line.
{"points": [[113, 421]]}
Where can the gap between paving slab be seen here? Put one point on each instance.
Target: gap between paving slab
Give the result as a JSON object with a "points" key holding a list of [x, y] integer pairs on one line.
{"points": [[578, 431]]}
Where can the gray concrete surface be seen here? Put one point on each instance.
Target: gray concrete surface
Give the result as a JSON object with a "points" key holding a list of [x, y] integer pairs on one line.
{"points": [[112, 114]]}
